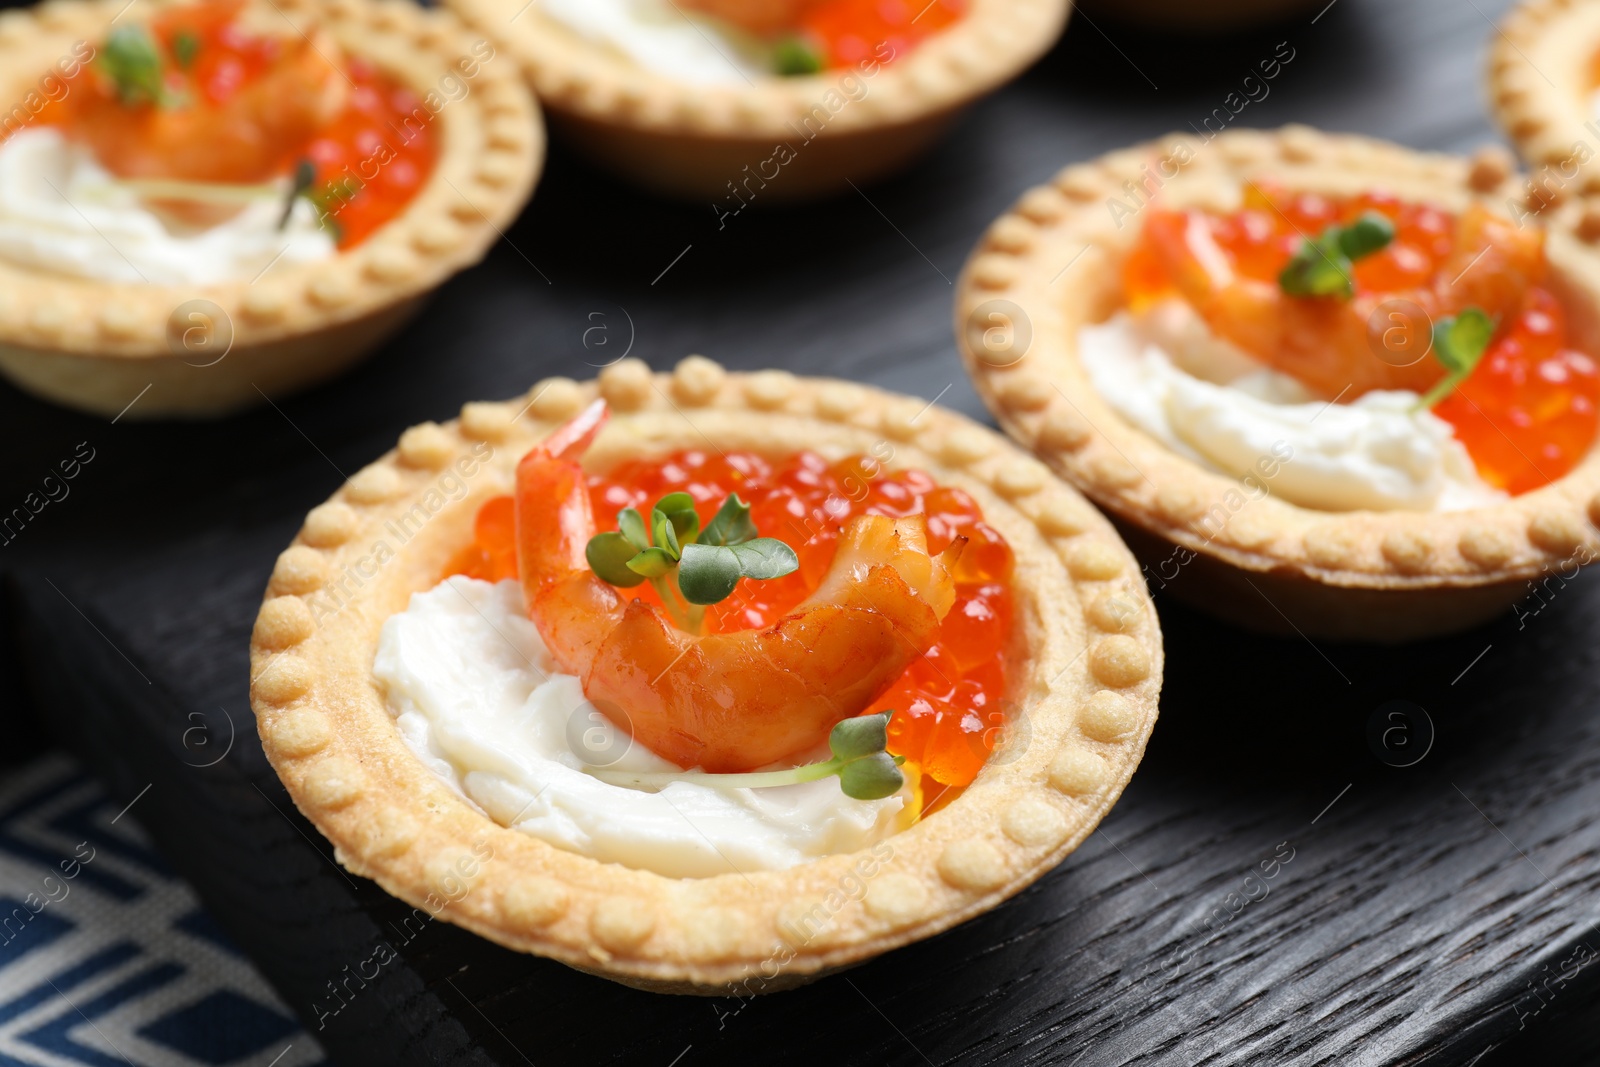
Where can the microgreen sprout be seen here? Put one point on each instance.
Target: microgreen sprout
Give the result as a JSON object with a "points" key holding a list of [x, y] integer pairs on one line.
{"points": [[796, 55], [689, 566], [185, 46], [1323, 267], [1458, 343], [865, 769], [133, 62], [304, 174]]}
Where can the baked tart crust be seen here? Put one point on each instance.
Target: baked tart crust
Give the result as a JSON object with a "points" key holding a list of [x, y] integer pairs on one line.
{"points": [[1088, 685], [1541, 76], [95, 345], [691, 139], [1359, 575]]}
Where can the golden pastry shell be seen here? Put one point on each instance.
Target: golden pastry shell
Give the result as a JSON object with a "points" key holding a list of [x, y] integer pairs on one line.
{"points": [[693, 139], [1088, 684], [97, 345], [1541, 78], [1359, 575]]}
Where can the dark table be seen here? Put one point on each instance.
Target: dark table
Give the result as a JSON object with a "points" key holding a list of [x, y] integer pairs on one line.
{"points": [[1432, 896]]}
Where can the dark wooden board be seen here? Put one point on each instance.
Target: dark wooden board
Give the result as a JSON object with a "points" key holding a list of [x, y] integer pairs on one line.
{"points": [[1426, 912]]}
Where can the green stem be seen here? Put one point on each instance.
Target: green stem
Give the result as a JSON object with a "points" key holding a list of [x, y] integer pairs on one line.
{"points": [[810, 772], [1441, 389]]}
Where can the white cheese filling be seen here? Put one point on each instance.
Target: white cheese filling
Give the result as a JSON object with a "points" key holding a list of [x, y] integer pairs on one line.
{"points": [[660, 36], [1205, 399], [61, 211], [477, 698]]}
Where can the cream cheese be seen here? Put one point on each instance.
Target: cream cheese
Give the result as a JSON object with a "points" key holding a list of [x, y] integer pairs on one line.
{"points": [[1207, 400], [477, 698], [659, 36], [61, 211]]}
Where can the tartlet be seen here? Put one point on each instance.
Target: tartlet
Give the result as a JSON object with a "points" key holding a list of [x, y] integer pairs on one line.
{"points": [[702, 141], [1542, 80], [1089, 681], [1053, 262], [98, 346]]}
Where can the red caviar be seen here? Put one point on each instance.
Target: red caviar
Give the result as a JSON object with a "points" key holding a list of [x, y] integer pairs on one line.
{"points": [[241, 108], [848, 32], [1527, 415], [948, 703]]}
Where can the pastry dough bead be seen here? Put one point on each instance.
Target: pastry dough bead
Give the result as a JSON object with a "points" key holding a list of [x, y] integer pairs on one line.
{"points": [[451, 872], [1107, 716], [1080, 183], [1019, 479], [296, 734], [1064, 429], [1033, 822], [696, 380], [620, 924], [972, 864], [1091, 560], [1115, 612], [283, 679], [534, 902], [711, 935], [486, 421], [332, 782], [1250, 532], [769, 389], [283, 622], [1119, 661], [899, 419], [896, 898], [299, 570], [1330, 547], [1557, 532], [498, 170], [373, 485], [1042, 205], [1490, 167], [331, 291], [1024, 392], [964, 445], [1410, 551], [428, 446], [838, 400], [1111, 470], [993, 271], [508, 133], [1012, 234], [388, 833], [1059, 516], [1078, 772], [1300, 144], [1594, 509], [119, 321], [435, 236], [264, 305], [391, 263], [555, 399], [1487, 546], [1179, 504], [627, 384], [329, 525], [51, 318]]}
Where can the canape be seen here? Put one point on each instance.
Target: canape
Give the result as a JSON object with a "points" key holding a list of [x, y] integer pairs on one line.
{"points": [[1327, 383], [705, 680], [205, 203], [1544, 87], [784, 99]]}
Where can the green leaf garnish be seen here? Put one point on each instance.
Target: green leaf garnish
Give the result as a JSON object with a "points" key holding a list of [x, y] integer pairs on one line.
{"points": [[185, 46], [1458, 343], [795, 55], [1323, 267], [133, 62], [708, 573], [304, 174], [690, 567], [865, 769], [731, 524], [608, 555]]}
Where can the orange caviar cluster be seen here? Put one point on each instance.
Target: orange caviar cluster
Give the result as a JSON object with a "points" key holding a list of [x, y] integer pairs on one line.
{"points": [[848, 32], [243, 108], [948, 703], [1528, 413]]}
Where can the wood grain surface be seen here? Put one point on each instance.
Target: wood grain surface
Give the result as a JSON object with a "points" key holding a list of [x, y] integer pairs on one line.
{"points": [[1442, 912]]}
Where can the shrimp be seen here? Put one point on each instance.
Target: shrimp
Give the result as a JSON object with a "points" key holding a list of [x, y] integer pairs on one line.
{"points": [[758, 16], [733, 701]]}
